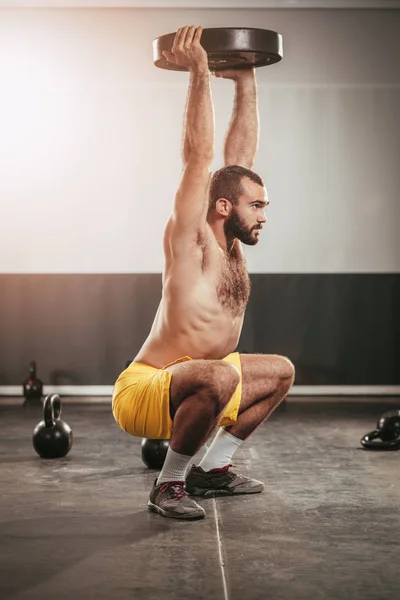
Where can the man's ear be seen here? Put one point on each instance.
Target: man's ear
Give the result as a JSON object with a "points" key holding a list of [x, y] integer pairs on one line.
{"points": [[223, 207]]}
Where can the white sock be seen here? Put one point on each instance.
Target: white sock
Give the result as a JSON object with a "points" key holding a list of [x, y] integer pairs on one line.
{"points": [[174, 467], [220, 453]]}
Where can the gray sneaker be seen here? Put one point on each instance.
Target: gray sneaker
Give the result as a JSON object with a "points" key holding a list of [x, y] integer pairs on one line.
{"points": [[220, 482], [169, 499]]}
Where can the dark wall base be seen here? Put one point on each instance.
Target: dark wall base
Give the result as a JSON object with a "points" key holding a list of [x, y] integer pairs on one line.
{"points": [[81, 329]]}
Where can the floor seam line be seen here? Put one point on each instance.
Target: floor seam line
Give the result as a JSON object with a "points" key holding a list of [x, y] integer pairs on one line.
{"points": [[220, 551]]}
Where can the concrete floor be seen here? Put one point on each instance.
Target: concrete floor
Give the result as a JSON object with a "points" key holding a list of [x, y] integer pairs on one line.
{"points": [[327, 526]]}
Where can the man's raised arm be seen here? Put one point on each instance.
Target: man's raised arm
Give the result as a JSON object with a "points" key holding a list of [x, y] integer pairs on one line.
{"points": [[191, 200], [198, 130], [241, 141]]}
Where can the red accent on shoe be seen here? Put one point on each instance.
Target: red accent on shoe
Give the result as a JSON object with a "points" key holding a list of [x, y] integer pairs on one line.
{"points": [[220, 470], [178, 488]]}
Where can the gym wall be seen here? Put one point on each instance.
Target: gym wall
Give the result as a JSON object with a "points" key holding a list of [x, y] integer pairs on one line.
{"points": [[90, 160]]}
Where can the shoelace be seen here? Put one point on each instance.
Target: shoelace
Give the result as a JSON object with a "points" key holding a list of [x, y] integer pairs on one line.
{"points": [[176, 486]]}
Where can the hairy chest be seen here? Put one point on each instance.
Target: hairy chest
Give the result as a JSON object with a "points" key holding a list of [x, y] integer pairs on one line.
{"points": [[233, 284], [221, 275]]}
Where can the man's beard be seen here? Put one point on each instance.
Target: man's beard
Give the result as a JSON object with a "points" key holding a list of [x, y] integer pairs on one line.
{"points": [[236, 227]]}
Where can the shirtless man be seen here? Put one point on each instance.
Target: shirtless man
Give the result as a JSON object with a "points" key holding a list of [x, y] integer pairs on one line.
{"points": [[186, 380]]}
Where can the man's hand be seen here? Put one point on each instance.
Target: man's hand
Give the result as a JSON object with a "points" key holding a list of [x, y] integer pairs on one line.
{"points": [[187, 51], [236, 74]]}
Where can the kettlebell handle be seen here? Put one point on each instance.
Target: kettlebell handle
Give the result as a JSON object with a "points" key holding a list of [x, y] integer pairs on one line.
{"points": [[52, 409]]}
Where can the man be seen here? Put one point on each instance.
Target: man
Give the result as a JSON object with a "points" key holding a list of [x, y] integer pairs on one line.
{"points": [[187, 380]]}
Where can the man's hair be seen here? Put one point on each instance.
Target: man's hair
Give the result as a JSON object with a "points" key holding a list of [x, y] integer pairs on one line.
{"points": [[227, 183]]}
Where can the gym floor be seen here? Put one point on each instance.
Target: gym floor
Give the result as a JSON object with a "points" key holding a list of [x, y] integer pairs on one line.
{"points": [[326, 527]]}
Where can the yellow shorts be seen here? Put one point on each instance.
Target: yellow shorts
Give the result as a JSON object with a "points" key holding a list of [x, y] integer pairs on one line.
{"points": [[140, 402]]}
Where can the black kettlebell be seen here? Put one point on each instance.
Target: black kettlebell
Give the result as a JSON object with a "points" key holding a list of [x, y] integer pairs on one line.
{"points": [[154, 452], [387, 434], [389, 425], [33, 386], [52, 438]]}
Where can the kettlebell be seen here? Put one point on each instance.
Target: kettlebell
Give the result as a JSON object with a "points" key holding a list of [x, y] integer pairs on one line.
{"points": [[154, 452], [389, 425], [32, 387], [52, 438], [387, 434]]}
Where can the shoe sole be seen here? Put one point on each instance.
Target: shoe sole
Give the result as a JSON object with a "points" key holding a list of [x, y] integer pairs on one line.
{"points": [[218, 493], [181, 516]]}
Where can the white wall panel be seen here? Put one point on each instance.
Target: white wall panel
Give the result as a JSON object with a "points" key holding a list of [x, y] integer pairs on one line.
{"points": [[90, 135]]}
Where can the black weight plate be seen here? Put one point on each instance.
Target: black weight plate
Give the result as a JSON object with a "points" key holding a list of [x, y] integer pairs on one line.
{"points": [[228, 48]]}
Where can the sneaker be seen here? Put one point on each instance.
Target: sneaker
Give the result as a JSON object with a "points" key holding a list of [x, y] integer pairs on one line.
{"points": [[220, 482], [169, 499]]}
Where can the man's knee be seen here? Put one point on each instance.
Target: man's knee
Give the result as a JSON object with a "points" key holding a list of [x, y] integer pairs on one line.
{"points": [[221, 381], [214, 380], [286, 371], [287, 368]]}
